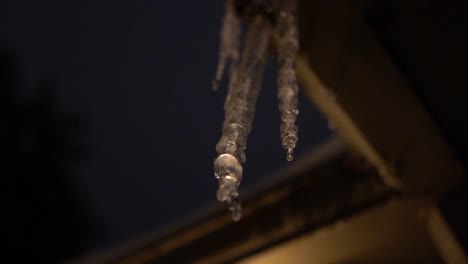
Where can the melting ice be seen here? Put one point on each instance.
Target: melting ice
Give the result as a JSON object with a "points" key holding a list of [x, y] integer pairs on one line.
{"points": [[245, 79]]}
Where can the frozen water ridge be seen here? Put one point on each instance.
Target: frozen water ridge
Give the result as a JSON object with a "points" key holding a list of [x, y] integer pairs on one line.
{"points": [[276, 20]]}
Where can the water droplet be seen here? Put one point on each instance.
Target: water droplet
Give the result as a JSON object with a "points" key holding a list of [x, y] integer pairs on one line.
{"points": [[235, 208], [289, 155]]}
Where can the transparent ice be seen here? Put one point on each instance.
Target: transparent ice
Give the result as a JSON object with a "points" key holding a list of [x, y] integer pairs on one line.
{"points": [[239, 114], [245, 78], [229, 42], [288, 46]]}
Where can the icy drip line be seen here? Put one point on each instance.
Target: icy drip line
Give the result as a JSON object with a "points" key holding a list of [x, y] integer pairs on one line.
{"points": [[229, 42], [288, 46], [245, 79]]}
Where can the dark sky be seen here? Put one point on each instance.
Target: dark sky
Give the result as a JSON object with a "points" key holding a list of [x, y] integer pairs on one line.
{"points": [[138, 73]]}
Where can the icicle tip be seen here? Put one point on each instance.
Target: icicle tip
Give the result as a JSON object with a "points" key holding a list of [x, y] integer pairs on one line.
{"points": [[290, 155], [235, 208]]}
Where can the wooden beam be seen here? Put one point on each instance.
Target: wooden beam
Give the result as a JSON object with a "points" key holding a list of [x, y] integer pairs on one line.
{"points": [[354, 83], [325, 186]]}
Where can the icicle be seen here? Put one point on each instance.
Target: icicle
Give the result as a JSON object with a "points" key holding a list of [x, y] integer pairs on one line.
{"points": [[239, 114], [229, 47], [288, 45]]}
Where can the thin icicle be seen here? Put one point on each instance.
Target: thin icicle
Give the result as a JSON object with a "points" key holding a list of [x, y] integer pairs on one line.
{"points": [[288, 45], [239, 114], [229, 47]]}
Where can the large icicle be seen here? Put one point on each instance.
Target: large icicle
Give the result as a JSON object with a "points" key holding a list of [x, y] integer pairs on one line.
{"points": [[229, 42], [239, 114], [288, 45]]}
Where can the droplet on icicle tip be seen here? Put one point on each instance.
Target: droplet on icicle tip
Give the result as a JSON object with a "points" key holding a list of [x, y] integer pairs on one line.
{"points": [[235, 208], [290, 155]]}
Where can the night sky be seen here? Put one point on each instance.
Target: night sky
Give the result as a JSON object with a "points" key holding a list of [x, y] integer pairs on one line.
{"points": [[138, 75]]}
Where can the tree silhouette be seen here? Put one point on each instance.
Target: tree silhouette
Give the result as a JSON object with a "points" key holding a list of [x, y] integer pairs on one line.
{"points": [[43, 220]]}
